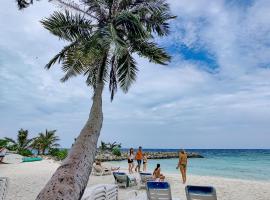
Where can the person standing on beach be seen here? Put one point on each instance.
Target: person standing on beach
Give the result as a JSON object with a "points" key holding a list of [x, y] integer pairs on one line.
{"points": [[183, 165], [139, 157], [144, 162], [131, 160]]}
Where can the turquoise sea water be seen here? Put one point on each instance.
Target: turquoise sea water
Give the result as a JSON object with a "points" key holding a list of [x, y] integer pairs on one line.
{"points": [[240, 164]]}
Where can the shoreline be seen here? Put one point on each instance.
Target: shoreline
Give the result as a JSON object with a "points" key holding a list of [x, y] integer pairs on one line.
{"points": [[164, 171], [27, 179]]}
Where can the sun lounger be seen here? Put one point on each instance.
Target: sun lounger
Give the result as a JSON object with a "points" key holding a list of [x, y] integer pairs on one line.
{"points": [[123, 180], [111, 192], [144, 178], [95, 193], [200, 192], [100, 171], [101, 192], [158, 191], [3, 153], [3, 187]]}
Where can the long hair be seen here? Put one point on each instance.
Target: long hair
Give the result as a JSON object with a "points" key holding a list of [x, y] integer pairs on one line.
{"points": [[158, 166], [131, 149]]}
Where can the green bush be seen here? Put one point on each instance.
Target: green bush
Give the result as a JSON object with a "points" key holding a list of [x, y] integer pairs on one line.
{"points": [[3, 143], [58, 153], [53, 151], [62, 154], [25, 152], [116, 151]]}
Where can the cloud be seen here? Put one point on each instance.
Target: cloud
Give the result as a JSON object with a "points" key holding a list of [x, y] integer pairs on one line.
{"points": [[214, 94]]}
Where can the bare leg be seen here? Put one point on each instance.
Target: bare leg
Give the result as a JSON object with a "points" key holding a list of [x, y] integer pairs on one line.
{"points": [[182, 170], [185, 174], [132, 166]]}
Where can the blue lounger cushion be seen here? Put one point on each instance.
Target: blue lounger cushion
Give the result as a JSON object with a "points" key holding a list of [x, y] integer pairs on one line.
{"points": [[158, 185], [119, 173], [144, 173], [200, 189]]}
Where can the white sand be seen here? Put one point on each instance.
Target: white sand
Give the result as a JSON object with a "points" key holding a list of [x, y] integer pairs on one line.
{"points": [[27, 179]]}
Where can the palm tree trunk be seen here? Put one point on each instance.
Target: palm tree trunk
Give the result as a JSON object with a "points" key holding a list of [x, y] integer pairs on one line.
{"points": [[70, 179]]}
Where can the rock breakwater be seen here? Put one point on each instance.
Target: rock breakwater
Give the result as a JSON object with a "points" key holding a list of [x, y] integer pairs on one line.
{"points": [[108, 156]]}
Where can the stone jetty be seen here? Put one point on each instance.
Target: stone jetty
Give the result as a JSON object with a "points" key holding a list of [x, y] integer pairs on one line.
{"points": [[108, 156]]}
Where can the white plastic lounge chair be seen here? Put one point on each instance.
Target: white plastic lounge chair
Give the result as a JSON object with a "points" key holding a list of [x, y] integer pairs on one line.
{"points": [[111, 192], [101, 192], [100, 171], [201, 192], [159, 191], [3, 187], [144, 178], [123, 180], [95, 193]]}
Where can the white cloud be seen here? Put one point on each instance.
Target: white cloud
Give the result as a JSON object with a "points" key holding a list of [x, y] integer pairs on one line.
{"points": [[181, 104]]}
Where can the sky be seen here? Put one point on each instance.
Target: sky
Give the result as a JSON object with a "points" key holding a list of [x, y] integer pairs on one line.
{"points": [[214, 94]]}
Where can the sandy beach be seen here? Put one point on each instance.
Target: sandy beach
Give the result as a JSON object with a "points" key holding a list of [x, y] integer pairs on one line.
{"points": [[27, 179]]}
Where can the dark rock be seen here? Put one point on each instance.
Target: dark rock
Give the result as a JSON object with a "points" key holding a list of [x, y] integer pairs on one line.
{"points": [[108, 156]]}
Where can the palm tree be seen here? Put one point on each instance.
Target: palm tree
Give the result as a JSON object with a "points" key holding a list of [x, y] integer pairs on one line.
{"points": [[103, 36], [45, 141], [103, 146], [22, 143]]}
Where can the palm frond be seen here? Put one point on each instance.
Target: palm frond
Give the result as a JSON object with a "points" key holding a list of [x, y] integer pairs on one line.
{"points": [[24, 3], [126, 70], [151, 51], [155, 15], [72, 64], [96, 8], [10, 140], [131, 24], [60, 56], [113, 75], [68, 26]]}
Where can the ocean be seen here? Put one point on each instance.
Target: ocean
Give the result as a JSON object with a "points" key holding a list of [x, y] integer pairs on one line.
{"points": [[248, 164]]}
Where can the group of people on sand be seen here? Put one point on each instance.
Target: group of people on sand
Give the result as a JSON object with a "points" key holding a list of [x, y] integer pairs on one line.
{"points": [[141, 157], [182, 165]]}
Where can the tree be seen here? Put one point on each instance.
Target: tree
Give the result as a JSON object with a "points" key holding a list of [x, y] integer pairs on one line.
{"points": [[22, 143], [103, 146], [3, 143], [45, 141], [109, 146], [103, 36], [113, 145]]}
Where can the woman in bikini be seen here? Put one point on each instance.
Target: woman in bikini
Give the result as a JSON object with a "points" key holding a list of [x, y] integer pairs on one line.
{"points": [[131, 160], [183, 165], [157, 174], [144, 162]]}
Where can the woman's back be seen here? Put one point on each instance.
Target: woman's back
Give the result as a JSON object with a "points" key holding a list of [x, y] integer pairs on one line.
{"points": [[183, 158]]}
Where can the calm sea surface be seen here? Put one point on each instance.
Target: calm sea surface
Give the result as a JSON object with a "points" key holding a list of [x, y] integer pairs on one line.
{"points": [[242, 164]]}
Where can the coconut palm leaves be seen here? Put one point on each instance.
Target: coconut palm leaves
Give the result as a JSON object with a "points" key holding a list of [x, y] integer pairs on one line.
{"points": [[22, 142], [45, 141], [112, 29]]}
